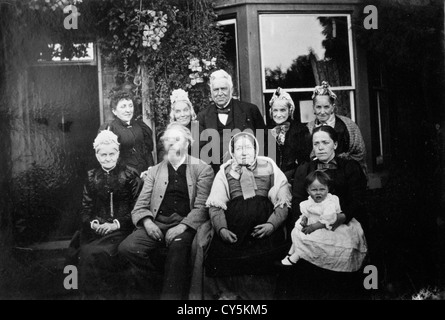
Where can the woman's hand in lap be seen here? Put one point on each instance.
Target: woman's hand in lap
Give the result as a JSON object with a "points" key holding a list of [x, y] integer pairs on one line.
{"points": [[228, 236], [106, 228], [262, 230], [341, 218], [308, 229], [312, 227]]}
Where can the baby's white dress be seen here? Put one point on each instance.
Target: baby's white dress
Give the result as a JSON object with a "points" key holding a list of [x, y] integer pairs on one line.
{"points": [[343, 249]]}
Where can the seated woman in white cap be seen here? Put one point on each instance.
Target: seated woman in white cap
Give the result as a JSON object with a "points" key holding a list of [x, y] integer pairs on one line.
{"points": [[248, 205], [109, 195]]}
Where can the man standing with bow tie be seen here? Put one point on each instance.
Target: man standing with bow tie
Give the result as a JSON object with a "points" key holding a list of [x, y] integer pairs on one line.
{"points": [[222, 116]]}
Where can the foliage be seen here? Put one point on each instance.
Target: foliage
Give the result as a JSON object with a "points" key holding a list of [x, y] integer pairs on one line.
{"points": [[162, 37], [165, 37], [429, 294], [406, 33], [31, 29], [53, 5]]}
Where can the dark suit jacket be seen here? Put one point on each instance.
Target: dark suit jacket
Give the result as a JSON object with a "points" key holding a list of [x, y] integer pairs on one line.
{"points": [[136, 142], [245, 116]]}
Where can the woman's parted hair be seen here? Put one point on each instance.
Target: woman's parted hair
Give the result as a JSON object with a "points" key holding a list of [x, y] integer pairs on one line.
{"points": [[245, 135], [329, 130], [121, 93]]}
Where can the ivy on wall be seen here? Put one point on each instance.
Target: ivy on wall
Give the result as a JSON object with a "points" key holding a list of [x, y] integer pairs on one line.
{"points": [[168, 38], [177, 42]]}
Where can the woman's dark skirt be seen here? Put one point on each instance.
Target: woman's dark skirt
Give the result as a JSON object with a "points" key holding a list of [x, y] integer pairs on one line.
{"points": [[248, 255]]}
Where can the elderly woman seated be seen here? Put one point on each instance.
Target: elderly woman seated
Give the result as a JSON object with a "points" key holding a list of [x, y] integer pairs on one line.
{"points": [[248, 204], [109, 195]]}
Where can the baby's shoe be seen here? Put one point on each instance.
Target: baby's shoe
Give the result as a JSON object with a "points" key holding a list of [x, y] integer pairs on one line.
{"points": [[287, 261]]}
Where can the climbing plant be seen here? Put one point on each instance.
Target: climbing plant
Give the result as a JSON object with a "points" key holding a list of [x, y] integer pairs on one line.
{"points": [[177, 42]]}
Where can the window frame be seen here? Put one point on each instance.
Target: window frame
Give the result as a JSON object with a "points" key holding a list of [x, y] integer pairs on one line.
{"points": [[225, 22], [92, 62], [351, 89]]}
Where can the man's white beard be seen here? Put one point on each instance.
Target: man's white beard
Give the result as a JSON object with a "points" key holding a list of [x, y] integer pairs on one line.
{"points": [[174, 156]]}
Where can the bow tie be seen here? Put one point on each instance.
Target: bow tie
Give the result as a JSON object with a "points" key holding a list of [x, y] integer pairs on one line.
{"points": [[223, 111], [325, 166]]}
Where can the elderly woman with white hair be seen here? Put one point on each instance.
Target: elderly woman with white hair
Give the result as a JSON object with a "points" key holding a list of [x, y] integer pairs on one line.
{"points": [[109, 194]]}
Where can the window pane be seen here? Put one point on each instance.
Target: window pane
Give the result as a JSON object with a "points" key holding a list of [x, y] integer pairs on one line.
{"points": [[56, 52], [300, 51], [228, 27]]}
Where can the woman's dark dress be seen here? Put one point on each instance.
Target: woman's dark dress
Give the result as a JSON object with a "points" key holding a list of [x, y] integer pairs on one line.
{"points": [[136, 142], [348, 183], [295, 150], [248, 255], [106, 196]]}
